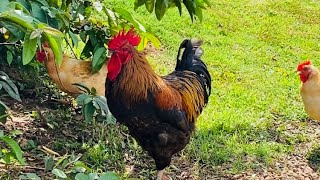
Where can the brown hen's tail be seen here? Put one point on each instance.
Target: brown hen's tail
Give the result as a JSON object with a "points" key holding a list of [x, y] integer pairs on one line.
{"points": [[190, 60]]}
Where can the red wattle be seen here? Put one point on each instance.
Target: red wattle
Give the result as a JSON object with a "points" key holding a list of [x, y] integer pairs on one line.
{"points": [[114, 67], [41, 56], [303, 78]]}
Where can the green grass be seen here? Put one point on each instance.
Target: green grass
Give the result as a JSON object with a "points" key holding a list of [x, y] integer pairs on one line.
{"points": [[252, 49]]}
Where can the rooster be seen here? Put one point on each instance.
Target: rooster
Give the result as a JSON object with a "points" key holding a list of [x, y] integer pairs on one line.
{"points": [[160, 112], [72, 71], [310, 88]]}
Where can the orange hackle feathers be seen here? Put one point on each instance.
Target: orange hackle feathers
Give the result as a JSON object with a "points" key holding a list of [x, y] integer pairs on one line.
{"points": [[137, 70], [301, 65], [121, 38]]}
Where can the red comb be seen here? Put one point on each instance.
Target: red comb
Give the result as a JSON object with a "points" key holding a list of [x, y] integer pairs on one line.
{"points": [[45, 44], [131, 37], [300, 66]]}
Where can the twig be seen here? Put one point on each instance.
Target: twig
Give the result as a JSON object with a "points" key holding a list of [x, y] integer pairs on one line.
{"points": [[75, 56], [4, 166], [60, 101], [10, 44], [47, 150]]}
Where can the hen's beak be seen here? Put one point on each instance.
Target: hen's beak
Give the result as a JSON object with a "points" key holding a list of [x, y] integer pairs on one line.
{"points": [[110, 52]]}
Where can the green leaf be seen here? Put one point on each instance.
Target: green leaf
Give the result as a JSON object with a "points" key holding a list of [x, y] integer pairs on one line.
{"points": [[29, 49], [154, 40], [178, 4], [14, 133], [79, 164], [36, 34], [9, 57], [93, 176], [149, 5], [112, 21], [53, 32], [138, 3], [14, 147], [3, 112], [102, 102], [4, 4], [9, 86], [32, 176], [88, 48], [22, 20], [43, 2], [15, 30], [55, 45], [3, 105], [22, 6], [88, 111], [88, 100], [128, 16], [48, 163], [190, 7], [59, 173], [25, 4], [143, 43], [82, 176], [38, 13], [109, 176], [74, 39], [7, 157], [99, 57], [93, 91], [80, 99], [161, 7]]}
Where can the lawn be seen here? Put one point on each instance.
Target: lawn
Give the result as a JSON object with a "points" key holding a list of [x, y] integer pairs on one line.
{"points": [[252, 48]]}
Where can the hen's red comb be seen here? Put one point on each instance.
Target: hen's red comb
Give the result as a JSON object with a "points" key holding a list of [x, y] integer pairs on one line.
{"points": [[45, 44], [117, 41], [300, 66]]}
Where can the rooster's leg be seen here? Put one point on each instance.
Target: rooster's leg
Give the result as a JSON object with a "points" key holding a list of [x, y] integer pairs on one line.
{"points": [[160, 174]]}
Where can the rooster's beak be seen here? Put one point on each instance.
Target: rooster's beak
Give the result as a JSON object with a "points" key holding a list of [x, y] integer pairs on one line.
{"points": [[110, 51]]}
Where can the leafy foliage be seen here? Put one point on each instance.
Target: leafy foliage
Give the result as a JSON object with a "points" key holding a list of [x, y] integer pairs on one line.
{"points": [[70, 167], [14, 150], [94, 105], [32, 22], [11, 89], [194, 7]]}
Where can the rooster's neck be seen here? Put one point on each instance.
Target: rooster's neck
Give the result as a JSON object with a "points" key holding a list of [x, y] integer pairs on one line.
{"points": [[137, 79]]}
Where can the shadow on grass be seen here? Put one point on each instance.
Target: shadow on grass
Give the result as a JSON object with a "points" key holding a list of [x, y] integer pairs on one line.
{"points": [[314, 158]]}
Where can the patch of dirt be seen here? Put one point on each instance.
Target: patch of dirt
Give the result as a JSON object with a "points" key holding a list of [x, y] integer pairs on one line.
{"points": [[37, 139], [294, 165]]}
